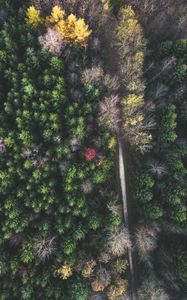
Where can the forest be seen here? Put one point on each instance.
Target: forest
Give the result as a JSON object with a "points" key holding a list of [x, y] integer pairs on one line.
{"points": [[93, 150]]}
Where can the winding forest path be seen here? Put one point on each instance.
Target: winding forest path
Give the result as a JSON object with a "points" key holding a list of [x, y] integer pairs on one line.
{"points": [[122, 176]]}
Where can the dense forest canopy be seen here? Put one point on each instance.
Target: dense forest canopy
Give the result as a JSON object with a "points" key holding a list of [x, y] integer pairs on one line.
{"points": [[93, 150]]}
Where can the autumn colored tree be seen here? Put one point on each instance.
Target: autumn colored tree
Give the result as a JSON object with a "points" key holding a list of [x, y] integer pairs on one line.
{"points": [[70, 29], [131, 45]]}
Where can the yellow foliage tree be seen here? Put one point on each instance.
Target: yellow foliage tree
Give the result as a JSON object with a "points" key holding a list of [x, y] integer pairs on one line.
{"points": [[60, 27], [71, 29], [88, 268], [106, 4], [117, 290], [133, 100], [128, 12], [135, 122], [33, 17], [65, 271], [131, 47], [82, 31], [57, 14], [68, 32]]}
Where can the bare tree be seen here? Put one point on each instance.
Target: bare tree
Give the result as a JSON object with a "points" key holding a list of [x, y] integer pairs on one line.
{"points": [[87, 186], [44, 247], [151, 289], [119, 241], [109, 113], [161, 18], [157, 168], [164, 67], [93, 75], [145, 241], [52, 42]]}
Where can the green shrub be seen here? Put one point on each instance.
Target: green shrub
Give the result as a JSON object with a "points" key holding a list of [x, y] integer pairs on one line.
{"points": [[153, 211], [165, 49], [144, 186], [167, 124], [178, 76], [180, 262], [180, 48], [176, 48], [79, 291]]}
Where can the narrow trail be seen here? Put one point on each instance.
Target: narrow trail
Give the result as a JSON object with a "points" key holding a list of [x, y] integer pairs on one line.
{"points": [[122, 176]]}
